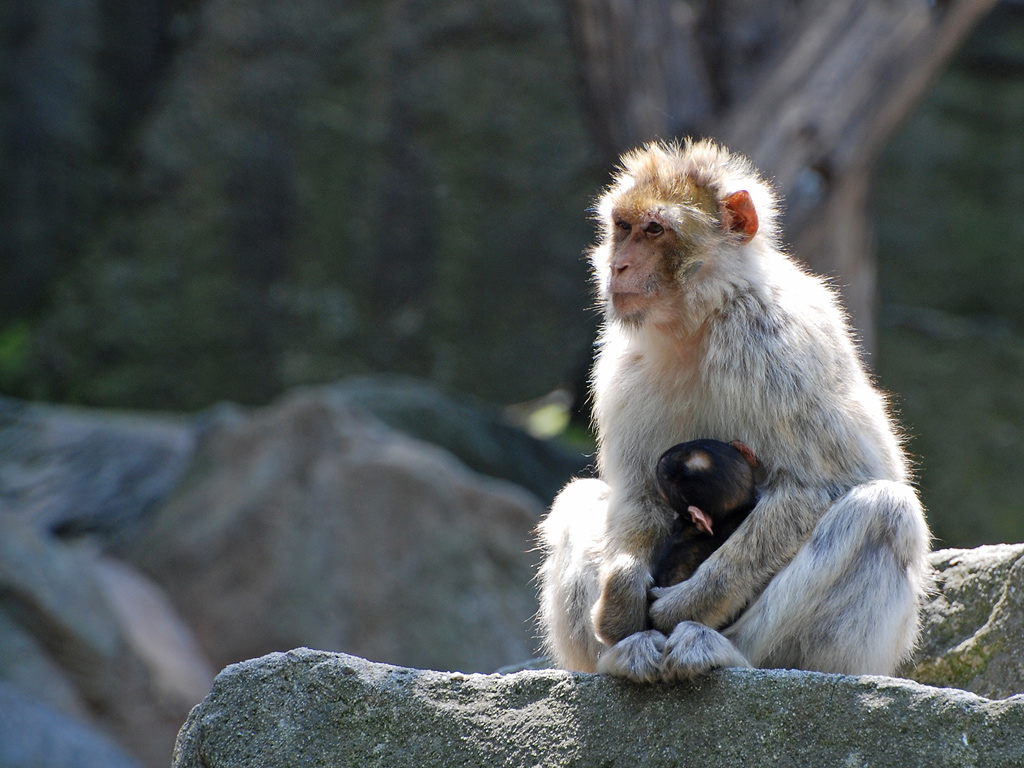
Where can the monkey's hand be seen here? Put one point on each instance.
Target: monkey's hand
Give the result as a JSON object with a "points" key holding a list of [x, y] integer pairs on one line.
{"points": [[671, 605], [621, 609], [738, 571], [685, 601]]}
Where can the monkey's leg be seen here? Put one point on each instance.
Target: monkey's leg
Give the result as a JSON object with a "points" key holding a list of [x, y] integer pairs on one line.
{"points": [[572, 538], [848, 601]]}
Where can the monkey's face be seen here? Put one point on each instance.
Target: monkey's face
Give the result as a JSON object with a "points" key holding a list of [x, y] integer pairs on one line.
{"points": [[652, 252], [665, 218], [640, 244]]}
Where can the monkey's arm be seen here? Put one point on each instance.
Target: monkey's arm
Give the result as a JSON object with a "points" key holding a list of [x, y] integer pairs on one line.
{"points": [[793, 388], [622, 608], [739, 570], [636, 527]]}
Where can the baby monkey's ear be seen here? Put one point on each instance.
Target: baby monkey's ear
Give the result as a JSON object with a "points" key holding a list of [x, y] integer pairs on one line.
{"points": [[701, 519], [746, 453]]}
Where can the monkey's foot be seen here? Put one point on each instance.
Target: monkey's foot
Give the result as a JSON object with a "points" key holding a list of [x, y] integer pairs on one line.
{"points": [[693, 650], [637, 657]]}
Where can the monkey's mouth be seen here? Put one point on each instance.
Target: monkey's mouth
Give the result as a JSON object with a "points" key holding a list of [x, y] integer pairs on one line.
{"points": [[630, 305]]}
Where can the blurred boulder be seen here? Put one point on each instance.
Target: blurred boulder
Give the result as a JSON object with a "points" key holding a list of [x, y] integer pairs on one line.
{"points": [[479, 435], [387, 545], [309, 522], [307, 708], [78, 634], [33, 735], [70, 471], [305, 522]]}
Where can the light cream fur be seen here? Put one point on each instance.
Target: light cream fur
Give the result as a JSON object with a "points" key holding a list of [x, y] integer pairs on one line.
{"points": [[740, 344]]}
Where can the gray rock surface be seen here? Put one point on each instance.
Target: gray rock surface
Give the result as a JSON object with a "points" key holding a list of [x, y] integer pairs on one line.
{"points": [[974, 622], [308, 708]]}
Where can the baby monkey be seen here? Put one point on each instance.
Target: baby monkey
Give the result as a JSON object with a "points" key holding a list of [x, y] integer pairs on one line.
{"points": [[710, 484]]}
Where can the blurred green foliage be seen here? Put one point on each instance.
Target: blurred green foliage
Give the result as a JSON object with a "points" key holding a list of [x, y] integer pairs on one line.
{"points": [[316, 192], [15, 346], [950, 217], [299, 194]]}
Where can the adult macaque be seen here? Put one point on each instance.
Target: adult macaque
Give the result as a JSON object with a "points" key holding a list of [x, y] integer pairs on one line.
{"points": [[711, 331], [710, 486]]}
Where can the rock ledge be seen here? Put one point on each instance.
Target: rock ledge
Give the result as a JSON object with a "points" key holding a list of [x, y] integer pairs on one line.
{"points": [[313, 708]]}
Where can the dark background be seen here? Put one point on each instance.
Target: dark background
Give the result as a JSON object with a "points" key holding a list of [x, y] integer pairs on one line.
{"points": [[221, 201]]}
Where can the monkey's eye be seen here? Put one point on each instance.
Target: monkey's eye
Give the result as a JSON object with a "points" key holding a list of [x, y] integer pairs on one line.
{"points": [[654, 229], [623, 225]]}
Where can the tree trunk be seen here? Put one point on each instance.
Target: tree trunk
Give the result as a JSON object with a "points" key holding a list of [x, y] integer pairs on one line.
{"points": [[809, 91]]}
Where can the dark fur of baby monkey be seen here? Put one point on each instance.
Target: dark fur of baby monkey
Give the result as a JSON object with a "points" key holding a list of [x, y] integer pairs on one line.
{"points": [[710, 484]]}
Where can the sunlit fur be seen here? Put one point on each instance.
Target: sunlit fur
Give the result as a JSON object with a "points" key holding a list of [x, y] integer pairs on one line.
{"points": [[736, 342]]}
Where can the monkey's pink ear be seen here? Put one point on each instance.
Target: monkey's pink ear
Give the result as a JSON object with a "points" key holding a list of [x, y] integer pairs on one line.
{"points": [[747, 453], [700, 519], [739, 215]]}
